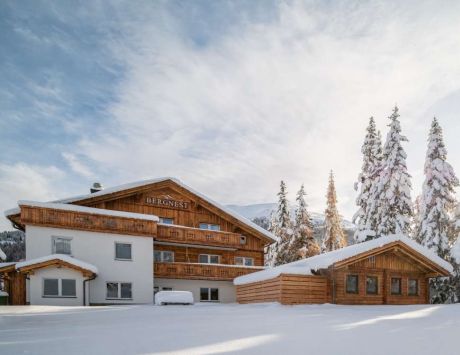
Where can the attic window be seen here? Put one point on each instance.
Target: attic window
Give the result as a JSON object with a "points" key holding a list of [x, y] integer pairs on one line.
{"points": [[243, 239]]}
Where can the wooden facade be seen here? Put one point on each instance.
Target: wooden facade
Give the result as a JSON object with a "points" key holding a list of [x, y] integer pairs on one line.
{"points": [[194, 271], [55, 218], [285, 289], [394, 274], [14, 283]]}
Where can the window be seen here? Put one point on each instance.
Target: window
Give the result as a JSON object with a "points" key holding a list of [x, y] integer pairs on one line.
{"points": [[123, 251], [395, 286], [241, 260], [242, 239], [209, 226], [413, 287], [51, 287], [61, 245], [209, 294], [59, 288], [352, 283], [163, 256], [119, 290], [165, 220], [125, 290], [166, 289], [68, 288], [208, 259], [372, 285]]}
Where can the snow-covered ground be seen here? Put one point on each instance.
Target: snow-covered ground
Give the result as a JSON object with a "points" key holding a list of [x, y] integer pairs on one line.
{"points": [[222, 329]]}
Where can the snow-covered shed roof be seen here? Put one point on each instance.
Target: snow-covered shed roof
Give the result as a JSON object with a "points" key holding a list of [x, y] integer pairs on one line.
{"points": [[310, 265], [100, 211], [57, 258], [141, 183]]}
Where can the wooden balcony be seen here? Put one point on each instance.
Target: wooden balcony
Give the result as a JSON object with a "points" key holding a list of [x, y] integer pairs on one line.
{"points": [[180, 234], [191, 271]]}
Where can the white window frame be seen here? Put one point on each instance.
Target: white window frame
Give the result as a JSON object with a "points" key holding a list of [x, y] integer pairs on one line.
{"points": [[119, 290], [162, 258], [209, 294], [244, 258], [59, 295], [208, 226], [209, 259], [115, 251], [53, 244]]}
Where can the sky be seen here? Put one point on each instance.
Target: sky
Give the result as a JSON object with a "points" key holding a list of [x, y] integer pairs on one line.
{"points": [[228, 96]]}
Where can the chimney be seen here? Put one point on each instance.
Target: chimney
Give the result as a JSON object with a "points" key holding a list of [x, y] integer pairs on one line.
{"points": [[97, 186]]}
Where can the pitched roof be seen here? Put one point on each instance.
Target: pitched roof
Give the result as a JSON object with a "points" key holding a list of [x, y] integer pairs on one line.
{"points": [[137, 184], [55, 259], [310, 265]]}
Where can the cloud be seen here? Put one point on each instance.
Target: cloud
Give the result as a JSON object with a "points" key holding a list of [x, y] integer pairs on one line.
{"points": [[77, 166], [283, 99], [21, 181]]}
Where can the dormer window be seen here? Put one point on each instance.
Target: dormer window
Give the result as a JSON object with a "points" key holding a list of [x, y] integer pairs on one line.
{"points": [[61, 245], [209, 226]]}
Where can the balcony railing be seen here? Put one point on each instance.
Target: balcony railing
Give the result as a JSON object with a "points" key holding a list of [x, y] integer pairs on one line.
{"points": [[174, 233], [194, 271]]}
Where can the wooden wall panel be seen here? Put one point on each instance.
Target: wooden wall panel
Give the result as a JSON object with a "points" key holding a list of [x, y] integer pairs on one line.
{"points": [[285, 289], [190, 254], [15, 285], [48, 217]]}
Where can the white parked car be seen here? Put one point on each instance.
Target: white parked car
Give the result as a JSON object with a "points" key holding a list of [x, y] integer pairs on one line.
{"points": [[173, 297]]}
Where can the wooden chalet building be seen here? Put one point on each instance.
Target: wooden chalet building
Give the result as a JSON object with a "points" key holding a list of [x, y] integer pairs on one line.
{"points": [[387, 270], [122, 244]]}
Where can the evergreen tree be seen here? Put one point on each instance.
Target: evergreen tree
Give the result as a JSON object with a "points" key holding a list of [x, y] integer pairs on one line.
{"points": [[437, 203], [303, 244], [438, 196], [281, 227], [372, 157], [333, 238], [392, 194], [270, 251]]}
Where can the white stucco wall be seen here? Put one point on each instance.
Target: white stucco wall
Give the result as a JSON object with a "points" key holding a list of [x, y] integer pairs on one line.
{"points": [[36, 287], [227, 291], [99, 249]]}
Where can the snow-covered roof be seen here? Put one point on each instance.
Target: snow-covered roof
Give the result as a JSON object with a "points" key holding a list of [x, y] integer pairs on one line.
{"points": [[2, 255], [136, 184], [323, 261], [76, 208], [61, 257]]}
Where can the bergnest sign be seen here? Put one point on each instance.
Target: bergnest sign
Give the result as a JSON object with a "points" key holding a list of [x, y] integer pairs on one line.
{"points": [[167, 202]]}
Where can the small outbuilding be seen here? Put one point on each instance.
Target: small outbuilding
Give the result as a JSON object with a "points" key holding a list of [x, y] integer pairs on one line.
{"points": [[387, 270]]}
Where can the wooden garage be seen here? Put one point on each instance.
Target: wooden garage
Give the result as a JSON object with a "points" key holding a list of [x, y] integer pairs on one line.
{"points": [[387, 270]]}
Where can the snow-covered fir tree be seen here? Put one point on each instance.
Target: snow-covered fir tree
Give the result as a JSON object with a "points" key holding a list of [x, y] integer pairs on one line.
{"points": [[438, 196], [303, 243], [367, 179], [281, 227], [436, 207], [392, 195], [334, 237], [270, 251]]}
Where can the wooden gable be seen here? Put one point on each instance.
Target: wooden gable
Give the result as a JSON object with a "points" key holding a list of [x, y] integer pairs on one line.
{"points": [[168, 199], [394, 256]]}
